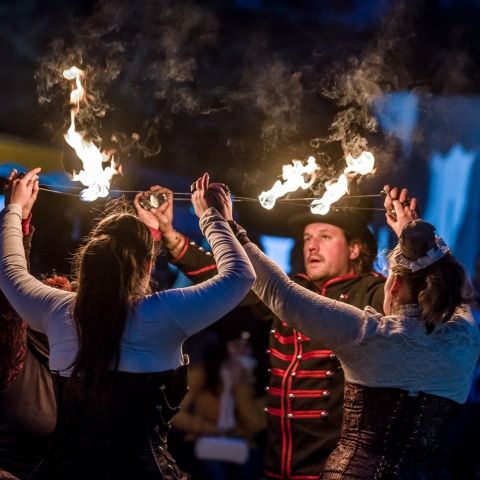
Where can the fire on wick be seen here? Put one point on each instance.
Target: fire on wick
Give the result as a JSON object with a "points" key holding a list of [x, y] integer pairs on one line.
{"points": [[93, 174]]}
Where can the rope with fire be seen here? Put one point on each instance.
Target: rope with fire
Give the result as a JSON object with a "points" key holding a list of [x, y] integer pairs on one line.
{"points": [[185, 197]]}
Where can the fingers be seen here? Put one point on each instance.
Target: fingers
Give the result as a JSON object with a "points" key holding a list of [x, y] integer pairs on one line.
{"points": [[12, 175], [159, 188], [205, 181], [136, 201], [31, 176]]}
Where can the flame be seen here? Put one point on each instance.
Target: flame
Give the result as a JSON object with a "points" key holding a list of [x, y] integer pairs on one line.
{"points": [[294, 178], [336, 189], [93, 175]]}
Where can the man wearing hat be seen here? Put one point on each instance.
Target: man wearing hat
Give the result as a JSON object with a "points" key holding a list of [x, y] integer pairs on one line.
{"points": [[305, 392]]}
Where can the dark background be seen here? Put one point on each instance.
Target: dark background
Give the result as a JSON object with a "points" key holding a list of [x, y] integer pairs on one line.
{"points": [[236, 88]]}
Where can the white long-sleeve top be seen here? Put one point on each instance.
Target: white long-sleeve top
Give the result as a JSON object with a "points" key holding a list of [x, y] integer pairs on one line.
{"points": [[157, 325], [377, 351]]}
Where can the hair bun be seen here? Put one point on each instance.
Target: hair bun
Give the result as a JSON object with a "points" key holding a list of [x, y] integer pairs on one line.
{"points": [[416, 239]]}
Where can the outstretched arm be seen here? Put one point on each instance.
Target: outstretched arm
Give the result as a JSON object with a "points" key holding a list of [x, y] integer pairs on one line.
{"points": [[334, 323], [194, 308], [30, 298]]}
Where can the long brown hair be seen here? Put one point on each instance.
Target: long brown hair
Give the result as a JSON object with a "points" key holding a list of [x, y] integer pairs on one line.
{"points": [[438, 289], [110, 267]]}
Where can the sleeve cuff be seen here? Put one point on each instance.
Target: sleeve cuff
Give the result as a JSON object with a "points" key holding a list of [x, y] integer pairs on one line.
{"points": [[184, 250], [26, 225], [156, 234], [14, 208]]}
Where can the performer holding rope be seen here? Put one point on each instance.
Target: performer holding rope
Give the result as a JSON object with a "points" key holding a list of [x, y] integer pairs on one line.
{"points": [[407, 372], [115, 350], [305, 394]]}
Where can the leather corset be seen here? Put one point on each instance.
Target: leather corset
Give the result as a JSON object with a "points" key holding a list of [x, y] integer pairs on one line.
{"points": [[388, 434], [119, 434]]}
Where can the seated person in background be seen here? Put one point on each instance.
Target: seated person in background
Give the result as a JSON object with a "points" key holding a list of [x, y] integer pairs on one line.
{"points": [[222, 402]]}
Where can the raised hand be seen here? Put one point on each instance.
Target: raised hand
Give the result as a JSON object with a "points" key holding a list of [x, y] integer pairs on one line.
{"points": [[222, 199], [400, 209], [160, 218], [208, 195], [23, 191]]}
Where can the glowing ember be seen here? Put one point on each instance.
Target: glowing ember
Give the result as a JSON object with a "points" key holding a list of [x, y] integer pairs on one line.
{"points": [[294, 177], [93, 175]]}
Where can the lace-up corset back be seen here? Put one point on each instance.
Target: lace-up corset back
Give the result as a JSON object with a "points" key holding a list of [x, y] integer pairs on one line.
{"points": [[129, 407], [388, 434]]}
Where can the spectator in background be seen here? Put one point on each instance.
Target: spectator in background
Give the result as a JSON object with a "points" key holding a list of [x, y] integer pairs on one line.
{"points": [[222, 414]]}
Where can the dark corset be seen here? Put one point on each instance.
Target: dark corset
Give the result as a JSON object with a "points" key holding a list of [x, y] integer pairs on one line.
{"points": [[119, 434], [387, 434]]}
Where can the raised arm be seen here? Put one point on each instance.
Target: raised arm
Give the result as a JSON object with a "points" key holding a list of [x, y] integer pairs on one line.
{"points": [[30, 298], [194, 308], [335, 324]]}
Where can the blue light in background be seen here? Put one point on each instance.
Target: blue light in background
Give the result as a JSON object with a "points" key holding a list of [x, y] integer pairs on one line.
{"points": [[2, 202], [278, 249]]}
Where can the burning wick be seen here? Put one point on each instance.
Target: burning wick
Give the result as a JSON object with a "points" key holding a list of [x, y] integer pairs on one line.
{"points": [[294, 177], [336, 189], [93, 175]]}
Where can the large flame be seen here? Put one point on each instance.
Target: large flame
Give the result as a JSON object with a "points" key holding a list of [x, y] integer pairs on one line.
{"points": [[294, 178], [93, 175], [336, 189]]}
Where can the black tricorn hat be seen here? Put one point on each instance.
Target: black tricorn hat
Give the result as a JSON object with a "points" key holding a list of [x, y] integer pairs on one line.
{"points": [[347, 214]]}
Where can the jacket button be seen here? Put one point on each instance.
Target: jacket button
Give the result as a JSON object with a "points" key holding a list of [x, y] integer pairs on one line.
{"points": [[267, 388], [332, 355], [299, 338], [329, 373], [272, 331], [289, 415], [324, 413], [325, 394], [299, 357], [293, 374], [267, 350], [291, 395], [265, 410], [269, 370]]}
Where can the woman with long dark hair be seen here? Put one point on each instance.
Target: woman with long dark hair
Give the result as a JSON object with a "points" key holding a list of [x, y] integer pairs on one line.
{"points": [[115, 350], [407, 372]]}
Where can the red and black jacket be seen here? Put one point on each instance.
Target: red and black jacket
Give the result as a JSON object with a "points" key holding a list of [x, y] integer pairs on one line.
{"points": [[305, 392]]}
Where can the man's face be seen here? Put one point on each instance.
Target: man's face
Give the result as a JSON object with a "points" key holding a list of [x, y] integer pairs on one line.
{"points": [[326, 252]]}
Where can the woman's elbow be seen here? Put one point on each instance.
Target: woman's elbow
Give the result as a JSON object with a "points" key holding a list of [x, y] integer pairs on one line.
{"points": [[246, 277], [250, 275]]}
